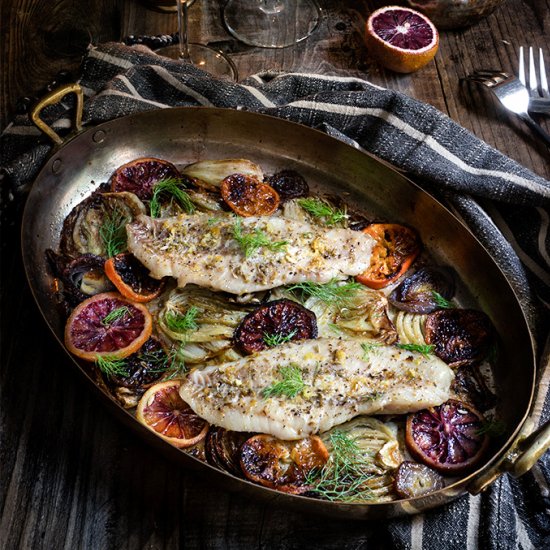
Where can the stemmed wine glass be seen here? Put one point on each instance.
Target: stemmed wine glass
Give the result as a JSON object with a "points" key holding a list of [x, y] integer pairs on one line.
{"points": [[204, 57], [271, 23]]}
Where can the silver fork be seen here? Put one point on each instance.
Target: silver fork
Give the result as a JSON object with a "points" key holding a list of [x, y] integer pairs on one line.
{"points": [[512, 94], [540, 95]]}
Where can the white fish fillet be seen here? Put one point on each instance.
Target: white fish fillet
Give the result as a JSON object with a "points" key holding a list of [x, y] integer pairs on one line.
{"points": [[202, 249], [342, 379]]}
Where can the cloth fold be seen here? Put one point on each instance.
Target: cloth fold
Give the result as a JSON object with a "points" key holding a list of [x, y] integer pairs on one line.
{"points": [[505, 205]]}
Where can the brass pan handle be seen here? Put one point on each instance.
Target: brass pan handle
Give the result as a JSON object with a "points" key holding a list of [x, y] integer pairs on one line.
{"points": [[529, 447], [51, 99]]}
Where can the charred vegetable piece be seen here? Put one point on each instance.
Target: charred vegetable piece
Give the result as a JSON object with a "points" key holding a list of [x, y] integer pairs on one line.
{"points": [[422, 291], [282, 465], [469, 385], [275, 323], [459, 336], [448, 438], [97, 225], [248, 196], [223, 448], [81, 277], [140, 176], [397, 246], [210, 173], [132, 279], [140, 369], [415, 480], [289, 184]]}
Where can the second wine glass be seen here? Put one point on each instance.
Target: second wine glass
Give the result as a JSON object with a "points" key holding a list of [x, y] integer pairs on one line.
{"points": [[204, 57], [271, 23]]}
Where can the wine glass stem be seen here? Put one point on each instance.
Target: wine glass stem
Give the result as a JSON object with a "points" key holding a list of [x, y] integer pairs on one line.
{"points": [[183, 25]]}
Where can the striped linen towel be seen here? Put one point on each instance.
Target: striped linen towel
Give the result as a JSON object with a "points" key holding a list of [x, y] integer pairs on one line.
{"points": [[505, 205]]}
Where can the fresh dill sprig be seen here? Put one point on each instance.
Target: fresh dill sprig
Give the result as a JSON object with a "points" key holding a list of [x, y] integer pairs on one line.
{"points": [[333, 292], [323, 210], [213, 221], [368, 349], [156, 361], [250, 243], [113, 231], [335, 328], [492, 428], [441, 301], [425, 349], [115, 315], [346, 473], [170, 187], [290, 385], [175, 365], [110, 366], [275, 339], [186, 322]]}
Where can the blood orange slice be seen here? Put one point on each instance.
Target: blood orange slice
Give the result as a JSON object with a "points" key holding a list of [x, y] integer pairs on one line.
{"points": [[131, 278], [448, 438], [107, 325], [163, 411], [401, 39], [141, 175]]}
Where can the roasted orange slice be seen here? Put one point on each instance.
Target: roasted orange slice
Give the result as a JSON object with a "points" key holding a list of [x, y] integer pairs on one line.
{"points": [[131, 278], [140, 176], [107, 325], [248, 196], [163, 411]]}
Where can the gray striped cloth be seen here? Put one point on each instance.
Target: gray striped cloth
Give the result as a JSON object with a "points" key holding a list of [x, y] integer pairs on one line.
{"points": [[506, 206]]}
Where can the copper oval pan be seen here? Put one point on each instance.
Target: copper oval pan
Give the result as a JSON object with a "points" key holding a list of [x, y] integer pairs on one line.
{"points": [[185, 135]]}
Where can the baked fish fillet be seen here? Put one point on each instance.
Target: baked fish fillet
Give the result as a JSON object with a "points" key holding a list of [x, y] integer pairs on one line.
{"points": [[210, 251], [341, 379]]}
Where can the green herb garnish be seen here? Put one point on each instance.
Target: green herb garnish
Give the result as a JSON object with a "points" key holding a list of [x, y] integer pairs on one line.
{"points": [[110, 366], [213, 221], [323, 210], [333, 292], [252, 242], [175, 364], [275, 339], [346, 473], [441, 301], [368, 348], [115, 315], [425, 349], [492, 428], [335, 328], [113, 231], [172, 188], [290, 385], [186, 322]]}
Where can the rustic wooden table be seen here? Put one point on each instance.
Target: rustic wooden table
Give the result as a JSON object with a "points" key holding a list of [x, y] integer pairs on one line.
{"points": [[71, 476]]}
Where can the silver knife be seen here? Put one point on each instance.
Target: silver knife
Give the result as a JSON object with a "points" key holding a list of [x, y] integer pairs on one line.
{"points": [[539, 105]]}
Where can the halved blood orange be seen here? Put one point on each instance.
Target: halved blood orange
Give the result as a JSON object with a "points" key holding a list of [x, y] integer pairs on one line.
{"points": [[140, 176], [448, 438], [248, 196], [107, 325], [401, 39], [132, 278], [163, 411]]}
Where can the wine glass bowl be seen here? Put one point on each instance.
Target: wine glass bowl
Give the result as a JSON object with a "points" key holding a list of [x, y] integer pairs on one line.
{"points": [[200, 55], [271, 23]]}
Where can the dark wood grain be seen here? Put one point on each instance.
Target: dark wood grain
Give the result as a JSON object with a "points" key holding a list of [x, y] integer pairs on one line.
{"points": [[71, 476]]}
